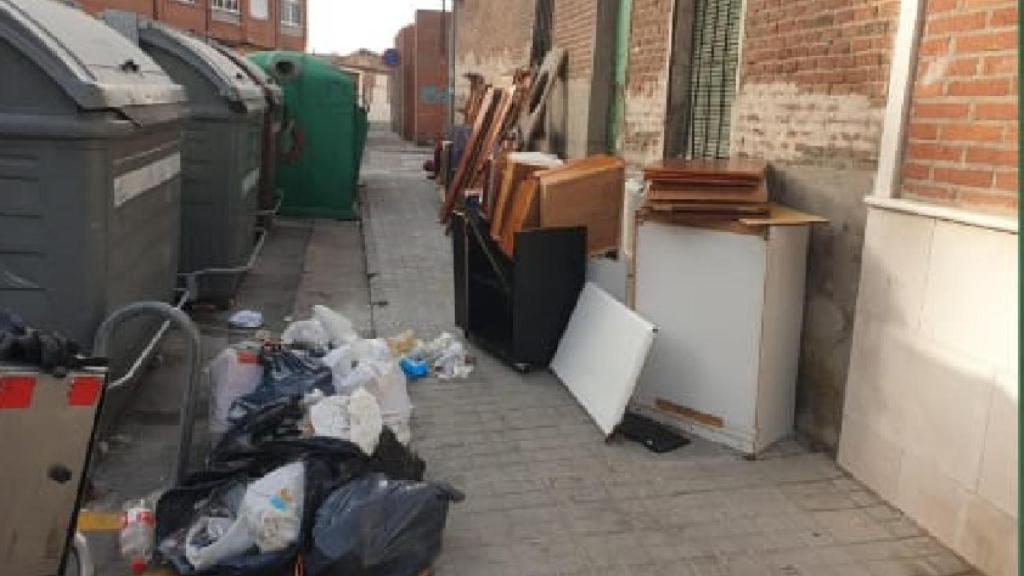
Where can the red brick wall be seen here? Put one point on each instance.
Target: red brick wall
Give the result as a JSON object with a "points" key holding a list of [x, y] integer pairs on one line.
{"points": [[431, 73], [247, 34], [137, 6], [573, 25], [407, 37], [814, 80], [961, 146]]}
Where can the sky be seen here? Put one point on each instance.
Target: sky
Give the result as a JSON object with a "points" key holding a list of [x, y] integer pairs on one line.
{"points": [[345, 25]]}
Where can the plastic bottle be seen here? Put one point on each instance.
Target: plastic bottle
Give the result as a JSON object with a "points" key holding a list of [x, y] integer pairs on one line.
{"points": [[138, 525]]}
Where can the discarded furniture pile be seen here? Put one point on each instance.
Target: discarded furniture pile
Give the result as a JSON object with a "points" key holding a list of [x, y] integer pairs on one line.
{"points": [[311, 471], [556, 260]]}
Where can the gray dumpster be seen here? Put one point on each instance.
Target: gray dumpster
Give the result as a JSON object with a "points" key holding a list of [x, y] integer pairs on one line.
{"points": [[271, 125], [90, 136], [221, 152]]}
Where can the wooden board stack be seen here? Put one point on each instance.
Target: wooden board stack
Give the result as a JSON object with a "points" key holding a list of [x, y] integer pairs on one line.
{"points": [[723, 189]]}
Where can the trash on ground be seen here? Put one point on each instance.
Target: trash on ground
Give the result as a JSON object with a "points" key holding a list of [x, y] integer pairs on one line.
{"points": [[234, 373], [247, 319], [654, 435], [272, 508], [356, 418], [306, 334], [136, 536], [414, 369], [409, 520], [299, 421]]}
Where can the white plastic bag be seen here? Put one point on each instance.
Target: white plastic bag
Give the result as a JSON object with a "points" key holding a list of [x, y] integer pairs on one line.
{"points": [[349, 364], [338, 328], [308, 334], [355, 418], [228, 537], [233, 373], [389, 387], [272, 508]]}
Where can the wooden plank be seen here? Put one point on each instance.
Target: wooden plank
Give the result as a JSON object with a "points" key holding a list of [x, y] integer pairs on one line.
{"points": [[525, 213], [688, 413], [779, 215], [587, 193], [493, 134], [467, 164], [518, 167]]}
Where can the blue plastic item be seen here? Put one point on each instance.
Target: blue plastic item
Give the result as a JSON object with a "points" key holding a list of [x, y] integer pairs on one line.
{"points": [[414, 369]]}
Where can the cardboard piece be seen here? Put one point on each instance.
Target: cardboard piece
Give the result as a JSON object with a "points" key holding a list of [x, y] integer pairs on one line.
{"points": [[601, 355]]}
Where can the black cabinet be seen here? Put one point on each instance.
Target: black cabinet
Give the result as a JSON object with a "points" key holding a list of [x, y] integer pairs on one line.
{"points": [[516, 308]]}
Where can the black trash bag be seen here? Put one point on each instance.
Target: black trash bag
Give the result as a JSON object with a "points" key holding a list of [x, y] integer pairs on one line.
{"points": [[329, 464], [394, 460], [280, 421], [286, 374], [374, 526], [50, 351]]}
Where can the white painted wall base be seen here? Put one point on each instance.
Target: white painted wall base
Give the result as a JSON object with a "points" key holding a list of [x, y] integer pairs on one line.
{"points": [[931, 410]]}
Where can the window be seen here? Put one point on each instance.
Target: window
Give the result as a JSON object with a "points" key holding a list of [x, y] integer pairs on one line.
{"points": [[291, 12], [258, 9], [226, 5], [713, 77]]}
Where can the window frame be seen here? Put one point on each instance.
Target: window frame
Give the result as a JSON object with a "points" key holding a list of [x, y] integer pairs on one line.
{"points": [[218, 6], [291, 8]]}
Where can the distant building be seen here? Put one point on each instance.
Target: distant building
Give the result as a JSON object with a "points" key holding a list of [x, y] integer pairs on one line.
{"points": [[372, 78], [247, 25]]}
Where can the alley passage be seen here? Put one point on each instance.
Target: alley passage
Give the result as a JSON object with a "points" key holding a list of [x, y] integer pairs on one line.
{"points": [[547, 496]]}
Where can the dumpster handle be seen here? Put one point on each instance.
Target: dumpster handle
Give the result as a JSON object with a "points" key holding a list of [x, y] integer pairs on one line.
{"points": [[147, 352], [188, 404], [272, 211], [192, 278]]}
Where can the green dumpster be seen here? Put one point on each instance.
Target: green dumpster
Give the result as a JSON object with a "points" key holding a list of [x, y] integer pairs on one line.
{"points": [[362, 131], [320, 140]]}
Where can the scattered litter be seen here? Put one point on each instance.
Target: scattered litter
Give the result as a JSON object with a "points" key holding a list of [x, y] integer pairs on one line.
{"points": [[247, 319], [306, 334], [654, 435], [355, 418], [407, 520], [403, 343], [414, 369], [233, 373], [446, 354], [272, 508], [337, 327], [136, 537]]}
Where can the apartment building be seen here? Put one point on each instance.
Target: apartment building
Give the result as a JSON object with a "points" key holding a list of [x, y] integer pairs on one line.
{"points": [[248, 25]]}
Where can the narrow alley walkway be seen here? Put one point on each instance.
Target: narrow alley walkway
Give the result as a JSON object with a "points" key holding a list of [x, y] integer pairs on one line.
{"points": [[547, 496]]}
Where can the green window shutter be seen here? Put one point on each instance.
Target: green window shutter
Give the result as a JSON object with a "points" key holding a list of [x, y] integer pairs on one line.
{"points": [[715, 56]]}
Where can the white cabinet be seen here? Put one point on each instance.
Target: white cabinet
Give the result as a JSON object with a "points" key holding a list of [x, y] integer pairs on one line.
{"points": [[728, 303]]}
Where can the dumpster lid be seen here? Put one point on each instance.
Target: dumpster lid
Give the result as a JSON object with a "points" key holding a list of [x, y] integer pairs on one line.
{"points": [[233, 82], [272, 90], [94, 65]]}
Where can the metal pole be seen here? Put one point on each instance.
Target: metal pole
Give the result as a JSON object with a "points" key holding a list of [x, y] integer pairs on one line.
{"points": [[452, 30], [186, 417]]}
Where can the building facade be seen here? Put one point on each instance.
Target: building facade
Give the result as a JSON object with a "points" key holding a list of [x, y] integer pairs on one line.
{"points": [[894, 119], [420, 79], [247, 25]]}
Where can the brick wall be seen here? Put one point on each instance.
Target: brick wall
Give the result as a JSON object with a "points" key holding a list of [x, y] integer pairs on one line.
{"points": [[812, 96], [814, 76], [647, 81], [492, 39], [242, 30], [431, 73], [961, 144], [573, 28]]}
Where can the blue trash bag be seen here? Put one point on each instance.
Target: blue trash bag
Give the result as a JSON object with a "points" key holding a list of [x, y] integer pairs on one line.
{"points": [[374, 526]]}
